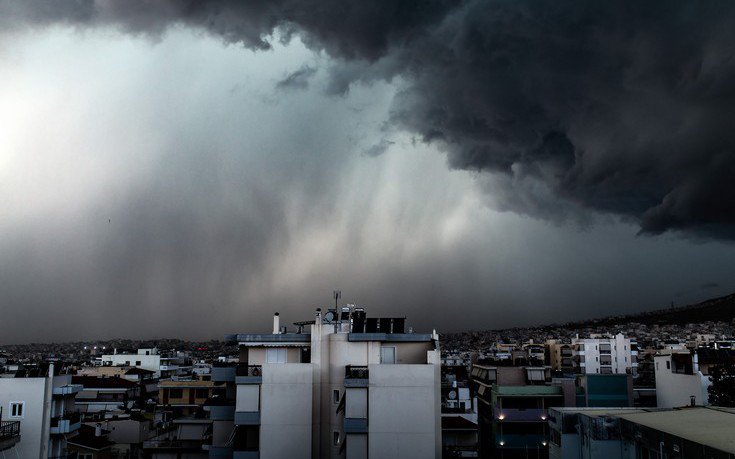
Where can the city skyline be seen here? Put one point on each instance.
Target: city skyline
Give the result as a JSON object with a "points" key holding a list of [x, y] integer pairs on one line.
{"points": [[167, 171]]}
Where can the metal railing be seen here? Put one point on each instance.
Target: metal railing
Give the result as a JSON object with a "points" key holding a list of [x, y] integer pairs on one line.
{"points": [[9, 429], [356, 372], [249, 370]]}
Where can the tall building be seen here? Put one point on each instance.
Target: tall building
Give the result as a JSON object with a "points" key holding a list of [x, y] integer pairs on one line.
{"points": [[349, 387], [38, 404]]}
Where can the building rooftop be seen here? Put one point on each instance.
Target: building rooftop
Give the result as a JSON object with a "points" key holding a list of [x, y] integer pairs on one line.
{"points": [[710, 426]]}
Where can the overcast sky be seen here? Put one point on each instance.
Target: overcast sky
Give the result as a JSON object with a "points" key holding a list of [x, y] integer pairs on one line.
{"points": [[172, 171]]}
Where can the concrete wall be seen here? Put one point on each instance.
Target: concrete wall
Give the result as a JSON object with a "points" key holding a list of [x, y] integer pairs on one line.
{"points": [[285, 413], [356, 405], [248, 397], [31, 392], [357, 446], [404, 411]]}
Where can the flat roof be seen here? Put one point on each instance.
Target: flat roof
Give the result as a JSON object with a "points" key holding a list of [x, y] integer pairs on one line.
{"points": [[710, 426], [390, 337], [269, 338]]}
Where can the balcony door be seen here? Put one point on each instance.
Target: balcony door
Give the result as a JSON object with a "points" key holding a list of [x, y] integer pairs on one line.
{"points": [[388, 354]]}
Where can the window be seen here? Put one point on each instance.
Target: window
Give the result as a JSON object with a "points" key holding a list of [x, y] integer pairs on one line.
{"points": [[175, 393], [668, 364], [335, 436], [85, 456], [16, 409], [202, 393], [387, 354], [335, 396], [275, 356], [657, 365], [127, 362], [137, 363]]}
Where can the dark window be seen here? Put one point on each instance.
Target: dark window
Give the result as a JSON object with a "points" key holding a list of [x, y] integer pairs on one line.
{"points": [[335, 396], [137, 363], [202, 393], [335, 438], [175, 393]]}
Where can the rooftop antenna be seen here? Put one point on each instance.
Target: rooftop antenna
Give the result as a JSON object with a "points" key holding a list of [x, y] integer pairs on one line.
{"points": [[337, 295]]}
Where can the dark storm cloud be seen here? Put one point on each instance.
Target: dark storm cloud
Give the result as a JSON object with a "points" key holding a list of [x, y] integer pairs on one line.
{"points": [[298, 79], [624, 108]]}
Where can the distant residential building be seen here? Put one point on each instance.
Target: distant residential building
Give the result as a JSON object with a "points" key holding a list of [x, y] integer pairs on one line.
{"points": [[105, 394], [595, 355], [150, 359], [185, 397]]}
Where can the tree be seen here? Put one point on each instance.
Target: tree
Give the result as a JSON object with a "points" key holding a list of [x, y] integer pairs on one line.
{"points": [[722, 390]]}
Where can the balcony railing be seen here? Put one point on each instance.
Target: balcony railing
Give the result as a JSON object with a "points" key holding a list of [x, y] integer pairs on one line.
{"points": [[9, 430], [249, 370], [356, 372], [67, 423]]}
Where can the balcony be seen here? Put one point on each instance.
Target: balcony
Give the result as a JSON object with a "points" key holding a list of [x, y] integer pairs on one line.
{"points": [[356, 376], [66, 423], [9, 434], [220, 409], [520, 414], [68, 389], [247, 418], [248, 374]]}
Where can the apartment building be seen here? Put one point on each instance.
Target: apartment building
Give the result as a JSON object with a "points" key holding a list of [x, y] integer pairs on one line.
{"points": [[682, 378], [343, 386], [185, 397], [598, 354], [162, 366], [37, 412]]}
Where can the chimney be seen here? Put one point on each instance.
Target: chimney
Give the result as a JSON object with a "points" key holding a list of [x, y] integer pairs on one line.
{"points": [[276, 324]]}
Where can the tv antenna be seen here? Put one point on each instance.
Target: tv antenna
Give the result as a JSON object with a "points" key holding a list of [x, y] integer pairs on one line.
{"points": [[337, 294]]}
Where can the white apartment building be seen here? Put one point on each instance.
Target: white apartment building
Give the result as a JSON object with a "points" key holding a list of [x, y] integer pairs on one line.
{"points": [[43, 408], [683, 377], [148, 359], [597, 354], [352, 387]]}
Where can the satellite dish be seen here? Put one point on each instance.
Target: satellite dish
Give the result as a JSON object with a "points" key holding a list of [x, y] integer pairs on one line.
{"points": [[452, 395], [329, 316]]}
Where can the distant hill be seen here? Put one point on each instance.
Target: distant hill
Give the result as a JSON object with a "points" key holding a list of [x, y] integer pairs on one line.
{"points": [[720, 309]]}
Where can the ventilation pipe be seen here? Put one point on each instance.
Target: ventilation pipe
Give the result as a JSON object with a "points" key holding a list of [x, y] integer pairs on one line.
{"points": [[276, 324]]}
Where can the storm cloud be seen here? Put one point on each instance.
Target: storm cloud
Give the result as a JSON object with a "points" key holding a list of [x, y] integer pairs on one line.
{"points": [[606, 107], [177, 168]]}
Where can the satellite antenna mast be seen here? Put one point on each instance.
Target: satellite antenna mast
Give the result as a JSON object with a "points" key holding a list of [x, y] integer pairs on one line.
{"points": [[337, 295]]}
